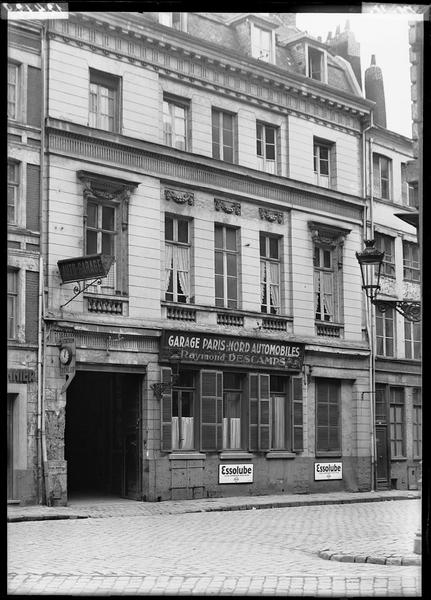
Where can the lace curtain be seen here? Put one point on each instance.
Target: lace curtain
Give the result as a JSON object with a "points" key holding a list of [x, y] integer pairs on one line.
{"points": [[278, 420], [177, 263], [182, 433]]}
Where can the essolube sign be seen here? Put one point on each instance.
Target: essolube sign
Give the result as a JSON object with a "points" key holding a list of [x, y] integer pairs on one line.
{"points": [[235, 473]]}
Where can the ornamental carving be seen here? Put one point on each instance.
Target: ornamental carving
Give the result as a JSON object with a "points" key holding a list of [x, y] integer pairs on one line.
{"points": [[271, 215], [230, 208], [180, 197]]}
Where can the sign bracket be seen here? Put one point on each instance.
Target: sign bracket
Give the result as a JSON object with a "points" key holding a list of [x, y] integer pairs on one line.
{"points": [[68, 382], [78, 290]]}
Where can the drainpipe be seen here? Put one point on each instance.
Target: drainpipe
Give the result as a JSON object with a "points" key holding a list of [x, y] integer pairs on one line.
{"points": [[368, 304], [42, 329]]}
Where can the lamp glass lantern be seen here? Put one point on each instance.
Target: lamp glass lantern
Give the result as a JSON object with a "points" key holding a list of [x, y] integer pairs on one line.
{"points": [[370, 261]]}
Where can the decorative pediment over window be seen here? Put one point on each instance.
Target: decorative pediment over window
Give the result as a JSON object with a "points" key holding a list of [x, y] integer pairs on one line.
{"points": [[230, 208], [101, 188], [327, 235], [180, 197]]}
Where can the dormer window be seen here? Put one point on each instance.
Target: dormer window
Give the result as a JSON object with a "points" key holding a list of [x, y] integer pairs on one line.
{"points": [[175, 20], [262, 43], [316, 64]]}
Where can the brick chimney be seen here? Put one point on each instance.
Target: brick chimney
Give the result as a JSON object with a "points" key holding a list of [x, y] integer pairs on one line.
{"points": [[374, 91], [345, 45]]}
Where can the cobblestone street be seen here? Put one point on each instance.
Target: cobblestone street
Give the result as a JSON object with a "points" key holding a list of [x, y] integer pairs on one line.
{"points": [[273, 551]]}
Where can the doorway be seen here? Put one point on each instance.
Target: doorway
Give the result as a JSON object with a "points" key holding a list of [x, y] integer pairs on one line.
{"points": [[10, 486], [102, 435]]}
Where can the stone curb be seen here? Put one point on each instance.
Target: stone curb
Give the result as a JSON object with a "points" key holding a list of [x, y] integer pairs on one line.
{"points": [[403, 561], [192, 509]]}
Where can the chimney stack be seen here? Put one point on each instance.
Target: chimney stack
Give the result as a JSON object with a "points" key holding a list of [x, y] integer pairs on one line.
{"points": [[345, 45], [374, 90]]}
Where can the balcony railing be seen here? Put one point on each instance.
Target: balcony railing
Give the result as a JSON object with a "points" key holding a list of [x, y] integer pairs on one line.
{"points": [[230, 319], [111, 306], [333, 330], [181, 313]]}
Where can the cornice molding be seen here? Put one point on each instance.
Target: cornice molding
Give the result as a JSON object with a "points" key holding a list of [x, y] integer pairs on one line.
{"points": [[180, 168], [248, 83]]}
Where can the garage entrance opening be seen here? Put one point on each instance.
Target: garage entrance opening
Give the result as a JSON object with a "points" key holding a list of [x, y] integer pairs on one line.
{"points": [[102, 435]]}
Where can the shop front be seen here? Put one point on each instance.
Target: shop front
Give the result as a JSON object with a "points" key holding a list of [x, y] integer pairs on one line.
{"points": [[228, 406]]}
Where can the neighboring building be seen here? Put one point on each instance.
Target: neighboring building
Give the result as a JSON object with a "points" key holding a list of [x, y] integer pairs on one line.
{"points": [[217, 157], [23, 223]]}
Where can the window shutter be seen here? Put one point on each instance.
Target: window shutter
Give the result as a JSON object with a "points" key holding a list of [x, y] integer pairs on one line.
{"points": [[253, 395], [376, 176], [211, 410], [297, 415], [34, 96], [33, 197], [332, 161], [31, 306], [264, 413], [166, 411]]}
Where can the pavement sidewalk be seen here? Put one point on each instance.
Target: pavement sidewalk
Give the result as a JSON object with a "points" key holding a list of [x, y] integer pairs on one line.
{"points": [[387, 553]]}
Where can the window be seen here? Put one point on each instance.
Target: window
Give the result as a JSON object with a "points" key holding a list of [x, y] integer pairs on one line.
{"points": [[328, 417], [232, 402], [386, 244], [101, 238], [261, 44], [177, 259], [223, 135], [411, 261], [269, 274], [266, 148], [226, 266], [173, 19], [324, 284], [381, 176], [324, 163], [12, 304], [409, 189], [12, 90], [316, 64], [396, 418], [417, 423], [175, 124], [412, 339], [182, 413], [12, 191], [385, 332], [104, 101]]}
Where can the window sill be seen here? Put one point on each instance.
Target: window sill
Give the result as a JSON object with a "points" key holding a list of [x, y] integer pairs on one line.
{"points": [[235, 454], [329, 454], [280, 454], [398, 458], [187, 456]]}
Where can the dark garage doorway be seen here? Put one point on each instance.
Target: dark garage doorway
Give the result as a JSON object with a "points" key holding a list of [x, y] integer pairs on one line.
{"points": [[102, 435]]}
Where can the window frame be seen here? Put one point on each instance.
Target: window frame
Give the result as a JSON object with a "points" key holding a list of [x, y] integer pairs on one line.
{"points": [[258, 49], [378, 179], [14, 185], [180, 390], [411, 263], [386, 243], [385, 322], [225, 252], [217, 127], [397, 419], [13, 295], [17, 100], [173, 103], [267, 260], [314, 52], [417, 422], [334, 449], [175, 20], [174, 271], [268, 165], [412, 341], [104, 81], [327, 181]]}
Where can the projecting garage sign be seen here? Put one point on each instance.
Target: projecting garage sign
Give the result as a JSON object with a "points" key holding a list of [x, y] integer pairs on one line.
{"points": [[231, 351]]}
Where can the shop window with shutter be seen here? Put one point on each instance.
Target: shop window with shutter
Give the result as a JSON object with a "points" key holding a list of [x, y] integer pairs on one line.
{"points": [[417, 422], [328, 417], [397, 422], [286, 413]]}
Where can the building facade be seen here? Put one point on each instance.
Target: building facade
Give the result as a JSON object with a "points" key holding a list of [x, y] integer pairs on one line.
{"points": [[204, 194]]}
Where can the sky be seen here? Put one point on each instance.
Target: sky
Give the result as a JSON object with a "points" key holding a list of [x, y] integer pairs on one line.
{"points": [[386, 36]]}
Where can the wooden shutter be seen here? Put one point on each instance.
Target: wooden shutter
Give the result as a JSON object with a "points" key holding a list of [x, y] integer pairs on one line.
{"points": [[264, 413], [31, 306], [166, 411], [32, 208], [253, 398], [34, 96], [211, 410], [297, 414]]}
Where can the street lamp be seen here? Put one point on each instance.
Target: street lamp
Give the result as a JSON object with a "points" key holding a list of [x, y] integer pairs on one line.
{"points": [[370, 260]]}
